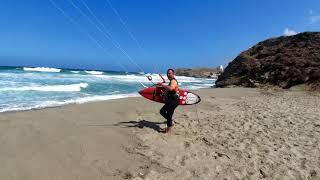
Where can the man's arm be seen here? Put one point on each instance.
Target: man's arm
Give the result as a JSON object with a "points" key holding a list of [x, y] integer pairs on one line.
{"points": [[171, 87]]}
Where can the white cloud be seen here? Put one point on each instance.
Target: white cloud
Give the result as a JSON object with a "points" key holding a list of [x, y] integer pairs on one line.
{"points": [[314, 19], [288, 32], [311, 11]]}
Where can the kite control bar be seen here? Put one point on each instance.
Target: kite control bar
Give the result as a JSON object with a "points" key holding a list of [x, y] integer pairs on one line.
{"points": [[163, 81], [150, 79]]}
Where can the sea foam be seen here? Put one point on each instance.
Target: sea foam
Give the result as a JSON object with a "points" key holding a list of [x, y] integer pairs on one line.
{"points": [[94, 72], [41, 69], [54, 88], [82, 100]]}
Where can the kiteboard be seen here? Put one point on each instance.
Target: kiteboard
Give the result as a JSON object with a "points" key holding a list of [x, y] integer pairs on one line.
{"points": [[156, 93]]}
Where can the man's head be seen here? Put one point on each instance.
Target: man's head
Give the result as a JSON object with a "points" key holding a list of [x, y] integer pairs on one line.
{"points": [[170, 74]]}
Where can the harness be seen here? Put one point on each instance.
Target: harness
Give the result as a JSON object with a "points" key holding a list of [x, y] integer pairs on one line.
{"points": [[171, 96]]}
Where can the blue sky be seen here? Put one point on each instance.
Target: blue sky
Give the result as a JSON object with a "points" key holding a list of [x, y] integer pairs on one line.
{"points": [[171, 33]]}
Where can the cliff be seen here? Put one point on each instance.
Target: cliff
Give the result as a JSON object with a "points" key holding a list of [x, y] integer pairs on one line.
{"points": [[284, 61]]}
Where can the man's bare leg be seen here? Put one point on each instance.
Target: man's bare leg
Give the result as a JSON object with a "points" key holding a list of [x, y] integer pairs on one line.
{"points": [[168, 130]]}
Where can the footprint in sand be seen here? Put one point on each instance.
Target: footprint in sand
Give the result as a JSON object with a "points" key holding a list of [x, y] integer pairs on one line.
{"points": [[183, 161], [187, 144]]}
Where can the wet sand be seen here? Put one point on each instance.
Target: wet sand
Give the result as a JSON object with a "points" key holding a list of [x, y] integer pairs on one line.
{"points": [[234, 133]]}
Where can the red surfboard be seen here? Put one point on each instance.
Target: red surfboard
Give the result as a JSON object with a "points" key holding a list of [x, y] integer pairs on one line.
{"points": [[155, 93]]}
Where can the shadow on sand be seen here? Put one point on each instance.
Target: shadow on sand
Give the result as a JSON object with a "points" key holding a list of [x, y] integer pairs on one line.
{"points": [[142, 124]]}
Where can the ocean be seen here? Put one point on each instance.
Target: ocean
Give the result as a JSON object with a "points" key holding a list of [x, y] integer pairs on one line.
{"points": [[26, 88]]}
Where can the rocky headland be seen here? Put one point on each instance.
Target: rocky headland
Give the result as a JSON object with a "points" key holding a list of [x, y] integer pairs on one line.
{"points": [[198, 72], [285, 61]]}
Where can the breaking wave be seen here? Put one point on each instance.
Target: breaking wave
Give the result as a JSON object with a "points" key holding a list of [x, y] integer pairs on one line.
{"points": [[41, 69], [54, 88], [94, 72]]}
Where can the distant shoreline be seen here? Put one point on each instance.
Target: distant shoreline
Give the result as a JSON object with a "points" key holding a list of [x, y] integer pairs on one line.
{"points": [[199, 72]]}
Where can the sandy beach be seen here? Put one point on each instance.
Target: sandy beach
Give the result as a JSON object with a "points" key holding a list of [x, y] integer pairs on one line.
{"points": [[234, 133]]}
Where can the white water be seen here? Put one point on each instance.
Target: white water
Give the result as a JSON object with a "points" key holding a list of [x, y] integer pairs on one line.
{"points": [[54, 88], [94, 72], [41, 69]]}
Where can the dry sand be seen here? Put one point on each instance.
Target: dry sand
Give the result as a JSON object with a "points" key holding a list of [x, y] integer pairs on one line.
{"points": [[233, 133]]}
